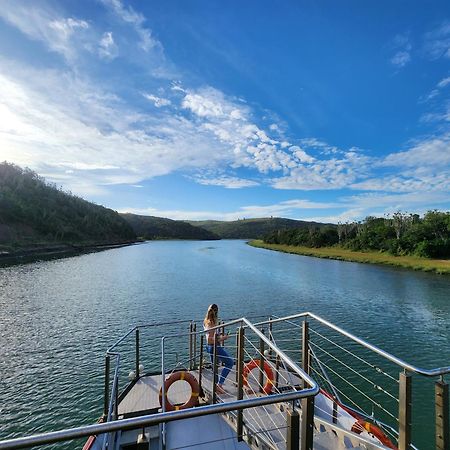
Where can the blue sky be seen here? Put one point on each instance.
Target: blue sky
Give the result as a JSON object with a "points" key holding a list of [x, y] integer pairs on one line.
{"points": [[320, 110]]}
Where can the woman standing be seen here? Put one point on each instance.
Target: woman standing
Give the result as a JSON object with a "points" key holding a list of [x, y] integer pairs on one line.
{"points": [[211, 321]]}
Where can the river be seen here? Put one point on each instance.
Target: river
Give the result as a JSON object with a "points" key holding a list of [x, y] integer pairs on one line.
{"points": [[58, 317]]}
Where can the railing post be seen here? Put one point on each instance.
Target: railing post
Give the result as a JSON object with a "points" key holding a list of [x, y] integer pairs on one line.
{"points": [[261, 364], [404, 412], [270, 336], [307, 425], [240, 382], [292, 430], [442, 415], [190, 345], [277, 370], [214, 378], [237, 355], [137, 353], [116, 400], [305, 349], [106, 399], [200, 366], [194, 345]]}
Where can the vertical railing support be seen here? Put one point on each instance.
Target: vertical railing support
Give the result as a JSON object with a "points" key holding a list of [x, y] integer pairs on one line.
{"points": [[190, 345], [442, 415], [106, 399], [137, 354], [214, 378], [261, 364], [194, 345], [270, 336], [240, 382], [292, 430], [307, 424], [116, 400], [277, 371], [200, 365], [404, 412], [305, 349], [237, 355]]}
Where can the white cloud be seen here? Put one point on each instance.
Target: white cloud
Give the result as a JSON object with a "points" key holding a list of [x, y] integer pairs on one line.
{"points": [[437, 42], [57, 32], [444, 82], [227, 182], [400, 59], [157, 101], [107, 48], [136, 20]]}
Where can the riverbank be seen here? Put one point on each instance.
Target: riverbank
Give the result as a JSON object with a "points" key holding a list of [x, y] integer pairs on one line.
{"points": [[30, 254], [410, 262]]}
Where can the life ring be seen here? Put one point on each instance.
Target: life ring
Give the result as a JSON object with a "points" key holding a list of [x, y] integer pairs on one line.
{"points": [[362, 425], [195, 388], [253, 364]]}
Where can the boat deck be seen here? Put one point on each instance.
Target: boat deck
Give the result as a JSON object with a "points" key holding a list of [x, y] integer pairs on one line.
{"points": [[266, 425]]}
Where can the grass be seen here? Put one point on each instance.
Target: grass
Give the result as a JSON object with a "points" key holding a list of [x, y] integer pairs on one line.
{"points": [[441, 266]]}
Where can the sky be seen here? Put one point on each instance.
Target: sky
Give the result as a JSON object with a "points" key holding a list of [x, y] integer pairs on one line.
{"points": [[206, 109]]}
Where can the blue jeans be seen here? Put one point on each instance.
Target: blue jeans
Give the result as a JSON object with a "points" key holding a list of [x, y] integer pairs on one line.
{"points": [[223, 357]]}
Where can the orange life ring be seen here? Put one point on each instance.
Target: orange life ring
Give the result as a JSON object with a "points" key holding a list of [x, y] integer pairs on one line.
{"points": [[362, 425], [253, 364], [177, 376]]}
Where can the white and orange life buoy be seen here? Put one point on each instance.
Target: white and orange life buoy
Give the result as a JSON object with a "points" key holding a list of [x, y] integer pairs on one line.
{"points": [[362, 425], [195, 390], [253, 364]]}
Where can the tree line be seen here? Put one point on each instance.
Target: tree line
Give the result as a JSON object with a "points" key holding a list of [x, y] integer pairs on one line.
{"points": [[34, 211], [398, 234]]}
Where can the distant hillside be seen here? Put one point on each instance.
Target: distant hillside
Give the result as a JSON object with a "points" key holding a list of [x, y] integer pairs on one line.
{"points": [[251, 228], [150, 227], [35, 213]]}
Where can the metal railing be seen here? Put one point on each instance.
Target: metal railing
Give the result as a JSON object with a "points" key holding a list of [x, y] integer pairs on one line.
{"points": [[265, 346], [336, 354], [112, 425]]}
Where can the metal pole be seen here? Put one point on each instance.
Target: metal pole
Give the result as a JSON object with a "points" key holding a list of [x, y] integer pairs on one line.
{"points": [[106, 399], [305, 349], [442, 415], [194, 348], [307, 424], [237, 355], [214, 378], [190, 346], [200, 366], [404, 412], [293, 430], [116, 400], [270, 336], [261, 364], [137, 353], [277, 371], [240, 381]]}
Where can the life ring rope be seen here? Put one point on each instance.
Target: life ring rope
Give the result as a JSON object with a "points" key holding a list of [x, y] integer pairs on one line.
{"points": [[180, 376]]}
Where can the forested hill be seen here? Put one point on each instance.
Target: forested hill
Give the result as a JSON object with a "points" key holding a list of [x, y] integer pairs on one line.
{"points": [[252, 228], [35, 213], [150, 227]]}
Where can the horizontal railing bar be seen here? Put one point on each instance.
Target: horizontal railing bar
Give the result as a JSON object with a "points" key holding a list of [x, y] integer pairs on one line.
{"points": [[152, 419], [426, 372]]}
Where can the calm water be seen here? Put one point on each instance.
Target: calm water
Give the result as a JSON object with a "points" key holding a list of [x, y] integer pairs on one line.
{"points": [[58, 317]]}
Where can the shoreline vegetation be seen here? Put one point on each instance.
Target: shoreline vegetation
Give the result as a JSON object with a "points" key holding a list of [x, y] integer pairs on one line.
{"points": [[440, 266]]}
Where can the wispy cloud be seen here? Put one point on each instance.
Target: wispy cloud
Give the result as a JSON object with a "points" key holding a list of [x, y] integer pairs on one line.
{"points": [[402, 46], [437, 42], [107, 48], [157, 101]]}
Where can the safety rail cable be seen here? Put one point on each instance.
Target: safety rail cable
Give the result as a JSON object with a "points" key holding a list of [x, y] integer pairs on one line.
{"points": [[373, 366], [368, 380], [260, 401], [374, 402], [249, 387], [407, 366]]}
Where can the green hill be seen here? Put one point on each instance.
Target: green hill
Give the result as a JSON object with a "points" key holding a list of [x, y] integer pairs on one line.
{"points": [[252, 228], [150, 227], [34, 213]]}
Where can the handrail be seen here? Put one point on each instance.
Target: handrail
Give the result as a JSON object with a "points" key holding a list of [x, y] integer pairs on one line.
{"points": [[405, 365], [153, 419]]}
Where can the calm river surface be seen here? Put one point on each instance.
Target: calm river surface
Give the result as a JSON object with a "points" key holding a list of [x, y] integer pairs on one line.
{"points": [[58, 317]]}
